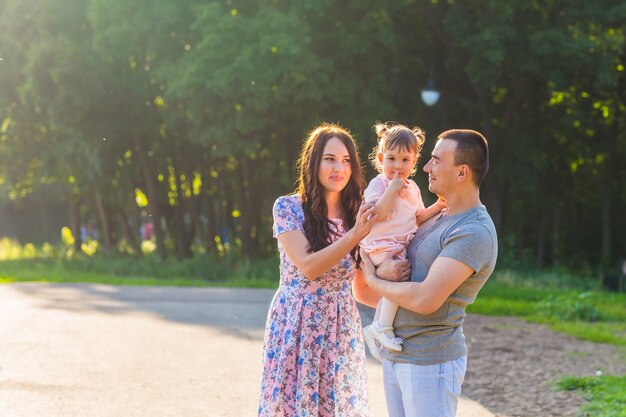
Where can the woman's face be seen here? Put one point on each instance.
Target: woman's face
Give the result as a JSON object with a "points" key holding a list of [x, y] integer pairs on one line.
{"points": [[335, 168]]}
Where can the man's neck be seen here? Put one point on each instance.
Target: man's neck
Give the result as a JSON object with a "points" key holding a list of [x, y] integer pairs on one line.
{"points": [[462, 201]]}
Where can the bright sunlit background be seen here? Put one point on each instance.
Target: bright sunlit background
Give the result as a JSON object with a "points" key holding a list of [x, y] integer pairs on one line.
{"points": [[168, 128]]}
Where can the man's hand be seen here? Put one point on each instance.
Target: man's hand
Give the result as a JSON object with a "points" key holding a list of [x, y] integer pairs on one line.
{"points": [[391, 269]]}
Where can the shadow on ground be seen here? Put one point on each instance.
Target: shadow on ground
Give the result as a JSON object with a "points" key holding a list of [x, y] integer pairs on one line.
{"points": [[236, 312]]}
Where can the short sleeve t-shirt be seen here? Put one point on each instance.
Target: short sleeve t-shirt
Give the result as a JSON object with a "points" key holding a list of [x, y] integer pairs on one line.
{"points": [[469, 237]]}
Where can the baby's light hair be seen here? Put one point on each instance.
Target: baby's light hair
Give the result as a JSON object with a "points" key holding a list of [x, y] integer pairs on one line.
{"points": [[392, 135]]}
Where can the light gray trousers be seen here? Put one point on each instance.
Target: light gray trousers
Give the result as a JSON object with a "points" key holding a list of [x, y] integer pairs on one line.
{"points": [[423, 391]]}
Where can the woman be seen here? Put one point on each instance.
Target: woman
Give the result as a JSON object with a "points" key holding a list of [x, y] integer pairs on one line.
{"points": [[314, 358]]}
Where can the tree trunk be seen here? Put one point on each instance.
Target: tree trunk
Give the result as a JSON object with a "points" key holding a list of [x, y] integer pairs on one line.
{"points": [[107, 229], [226, 213], [556, 252], [75, 221], [45, 220], [127, 232], [196, 227], [211, 230], [540, 242], [606, 223], [153, 199], [607, 198], [183, 245], [245, 184]]}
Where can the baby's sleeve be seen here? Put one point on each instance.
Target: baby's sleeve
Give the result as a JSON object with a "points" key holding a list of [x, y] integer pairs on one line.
{"points": [[418, 193], [288, 215], [375, 189]]}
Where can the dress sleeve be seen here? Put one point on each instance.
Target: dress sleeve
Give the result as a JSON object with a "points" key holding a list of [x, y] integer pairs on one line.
{"points": [[375, 189], [288, 215]]}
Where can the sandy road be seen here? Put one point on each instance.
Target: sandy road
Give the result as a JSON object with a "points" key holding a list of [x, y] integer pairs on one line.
{"points": [[108, 351]]}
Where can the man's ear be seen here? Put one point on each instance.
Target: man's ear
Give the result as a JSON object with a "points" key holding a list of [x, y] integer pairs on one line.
{"points": [[464, 173]]}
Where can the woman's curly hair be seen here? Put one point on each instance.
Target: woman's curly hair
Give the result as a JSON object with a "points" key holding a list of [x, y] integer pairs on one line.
{"points": [[316, 223]]}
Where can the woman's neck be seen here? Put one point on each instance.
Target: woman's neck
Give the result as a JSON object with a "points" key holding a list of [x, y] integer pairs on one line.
{"points": [[335, 208]]}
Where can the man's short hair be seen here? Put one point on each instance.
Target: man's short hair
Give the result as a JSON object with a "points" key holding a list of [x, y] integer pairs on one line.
{"points": [[471, 150]]}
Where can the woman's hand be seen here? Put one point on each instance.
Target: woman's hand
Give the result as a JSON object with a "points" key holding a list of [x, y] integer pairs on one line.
{"points": [[365, 218]]}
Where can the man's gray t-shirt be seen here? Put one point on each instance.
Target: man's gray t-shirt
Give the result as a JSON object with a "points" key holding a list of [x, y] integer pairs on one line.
{"points": [[469, 237]]}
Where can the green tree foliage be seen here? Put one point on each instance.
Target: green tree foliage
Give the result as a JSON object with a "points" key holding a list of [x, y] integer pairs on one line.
{"points": [[190, 114]]}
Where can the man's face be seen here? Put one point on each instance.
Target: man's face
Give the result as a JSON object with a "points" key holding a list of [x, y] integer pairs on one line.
{"points": [[442, 171]]}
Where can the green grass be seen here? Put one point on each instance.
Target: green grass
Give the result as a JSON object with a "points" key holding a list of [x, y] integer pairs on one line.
{"points": [[605, 395], [203, 270], [594, 316]]}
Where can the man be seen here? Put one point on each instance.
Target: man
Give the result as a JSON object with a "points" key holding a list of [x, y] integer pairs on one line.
{"points": [[451, 257]]}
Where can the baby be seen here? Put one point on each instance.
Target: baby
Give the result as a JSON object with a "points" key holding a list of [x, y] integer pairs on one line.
{"points": [[400, 210]]}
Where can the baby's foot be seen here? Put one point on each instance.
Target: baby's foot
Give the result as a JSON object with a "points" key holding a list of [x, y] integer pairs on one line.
{"points": [[381, 334]]}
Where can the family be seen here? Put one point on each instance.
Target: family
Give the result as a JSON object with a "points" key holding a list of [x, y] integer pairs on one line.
{"points": [[341, 242]]}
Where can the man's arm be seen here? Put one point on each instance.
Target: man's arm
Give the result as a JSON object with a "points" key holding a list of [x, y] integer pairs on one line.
{"points": [[444, 277]]}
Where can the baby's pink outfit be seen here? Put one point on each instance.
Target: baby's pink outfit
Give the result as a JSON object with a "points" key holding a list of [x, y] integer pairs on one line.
{"points": [[398, 229]]}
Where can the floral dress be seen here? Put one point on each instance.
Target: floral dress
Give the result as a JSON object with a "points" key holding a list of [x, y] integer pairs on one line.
{"points": [[313, 356]]}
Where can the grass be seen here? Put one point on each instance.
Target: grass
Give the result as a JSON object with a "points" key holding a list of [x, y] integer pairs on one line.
{"points": [[572, 308], [60, 263], [605, 394], [201, 271]]}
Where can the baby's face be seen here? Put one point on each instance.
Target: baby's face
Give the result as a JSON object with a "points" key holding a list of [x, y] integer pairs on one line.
{"points": [[398, 161]]}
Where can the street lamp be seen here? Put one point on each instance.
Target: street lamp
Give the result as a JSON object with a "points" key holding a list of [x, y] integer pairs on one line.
{"points": [[430, 95]]}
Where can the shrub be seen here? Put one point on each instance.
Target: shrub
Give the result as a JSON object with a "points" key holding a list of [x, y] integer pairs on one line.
{"points": [[570, 307]]}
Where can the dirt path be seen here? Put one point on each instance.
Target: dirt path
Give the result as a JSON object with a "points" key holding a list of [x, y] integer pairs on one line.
{"points": [[512, 366], [108, 351]]}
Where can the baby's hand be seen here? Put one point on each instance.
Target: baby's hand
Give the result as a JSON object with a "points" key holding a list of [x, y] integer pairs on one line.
{"points": [[398, 184]]}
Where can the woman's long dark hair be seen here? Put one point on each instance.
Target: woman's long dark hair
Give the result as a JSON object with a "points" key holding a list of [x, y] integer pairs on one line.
{"points": [[316, 222]]}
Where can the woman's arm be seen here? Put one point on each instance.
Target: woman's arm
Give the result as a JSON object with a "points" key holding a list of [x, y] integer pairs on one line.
{"points": [[362, 293], [315, 264]]}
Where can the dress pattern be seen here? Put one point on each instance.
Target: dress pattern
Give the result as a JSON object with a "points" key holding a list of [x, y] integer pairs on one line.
{"points": [[313, 355]]}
